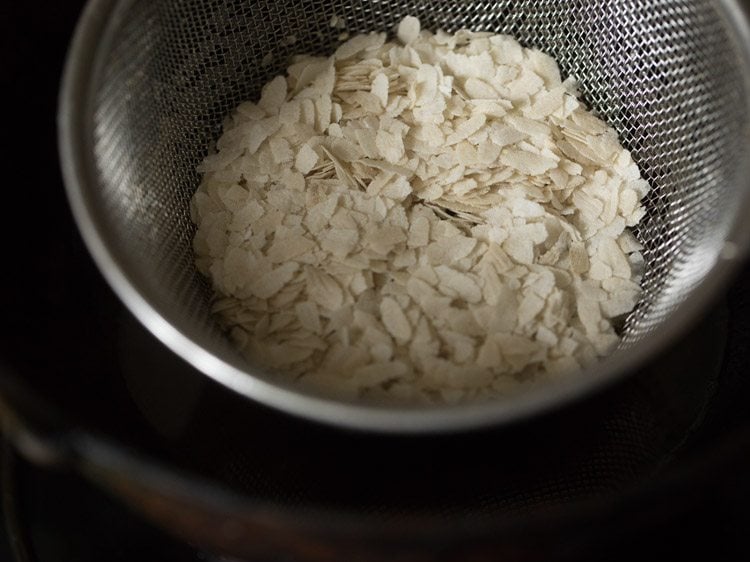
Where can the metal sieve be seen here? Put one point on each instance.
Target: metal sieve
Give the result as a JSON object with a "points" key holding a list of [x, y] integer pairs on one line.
{"points": [[148, 84]]}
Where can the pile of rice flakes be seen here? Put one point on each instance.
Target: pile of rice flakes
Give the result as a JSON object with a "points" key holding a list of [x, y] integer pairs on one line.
{"points": [[434, 219]]}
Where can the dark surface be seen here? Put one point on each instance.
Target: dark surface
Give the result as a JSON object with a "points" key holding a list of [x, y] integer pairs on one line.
{"points": [[60, 517], [54, 516], [62, 323]]}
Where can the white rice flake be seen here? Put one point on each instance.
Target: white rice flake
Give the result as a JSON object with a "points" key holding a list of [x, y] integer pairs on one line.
{"points": [[306, 159], [379, 89], [419, 232], [456, 284], [408, 30], [272, 282], [394, 319], [273, 96], [308, 316], [286, 249]]}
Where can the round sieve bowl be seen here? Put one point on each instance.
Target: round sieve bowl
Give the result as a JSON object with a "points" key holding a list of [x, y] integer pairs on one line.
{"points": [[148, 84]]}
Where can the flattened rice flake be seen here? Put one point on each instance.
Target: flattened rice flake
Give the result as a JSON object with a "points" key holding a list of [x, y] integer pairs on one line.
{"points": [[429, 219]]}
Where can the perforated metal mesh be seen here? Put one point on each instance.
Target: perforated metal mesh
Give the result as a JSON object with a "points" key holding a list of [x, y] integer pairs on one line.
{"points": [[667, 75]]}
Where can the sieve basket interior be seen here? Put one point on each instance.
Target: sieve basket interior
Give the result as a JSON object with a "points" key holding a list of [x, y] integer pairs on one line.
{"points": [[670, 76]]}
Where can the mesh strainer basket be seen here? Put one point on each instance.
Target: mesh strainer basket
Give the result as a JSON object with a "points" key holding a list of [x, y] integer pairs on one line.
{"points": [[149, 82]]}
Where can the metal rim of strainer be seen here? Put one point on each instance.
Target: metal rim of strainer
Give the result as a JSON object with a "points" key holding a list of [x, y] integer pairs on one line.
{"points": [[93, 33]]}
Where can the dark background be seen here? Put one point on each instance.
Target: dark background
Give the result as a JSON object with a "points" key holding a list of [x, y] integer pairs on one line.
{"points": [[45, 266]]}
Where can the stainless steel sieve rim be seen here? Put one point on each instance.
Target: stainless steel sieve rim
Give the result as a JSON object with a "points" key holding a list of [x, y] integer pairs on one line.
{"points": [[79, 174]]}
